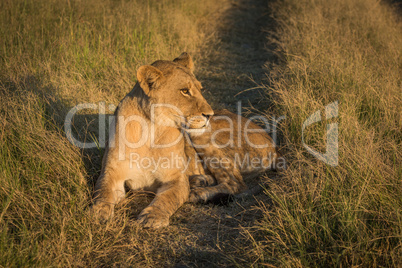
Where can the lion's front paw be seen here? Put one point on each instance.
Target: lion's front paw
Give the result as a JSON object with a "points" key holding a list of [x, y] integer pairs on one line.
{"points": [[153, 217], [103, 211]]}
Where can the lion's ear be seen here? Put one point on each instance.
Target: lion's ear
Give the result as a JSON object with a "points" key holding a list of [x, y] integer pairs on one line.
{"points": [[148, 77], [185, 60]]}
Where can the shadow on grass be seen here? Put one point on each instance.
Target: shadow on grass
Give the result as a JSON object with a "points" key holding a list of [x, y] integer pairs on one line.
{"points": [[85, 124]]}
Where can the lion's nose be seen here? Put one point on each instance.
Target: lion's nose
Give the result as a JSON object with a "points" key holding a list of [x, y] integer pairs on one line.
{"points": [[207, 116], [206, 110]]}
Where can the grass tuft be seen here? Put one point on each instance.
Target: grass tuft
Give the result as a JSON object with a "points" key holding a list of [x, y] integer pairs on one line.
{"points": [[348, 215]]}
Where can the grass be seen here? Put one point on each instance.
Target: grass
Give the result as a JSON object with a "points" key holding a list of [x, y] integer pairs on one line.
{"points": [[91, 50], [349, 215], [56, 54]]}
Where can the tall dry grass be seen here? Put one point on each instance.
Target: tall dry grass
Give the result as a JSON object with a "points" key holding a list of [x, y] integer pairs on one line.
{"points": [[349, 215], [54, 55], [90, 50]]}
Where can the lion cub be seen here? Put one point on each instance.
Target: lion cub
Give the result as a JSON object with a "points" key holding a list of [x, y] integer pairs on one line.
{"points": [[233, 149]]}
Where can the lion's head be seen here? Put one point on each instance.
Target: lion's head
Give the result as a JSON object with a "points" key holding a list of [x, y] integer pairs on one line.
{"points": [[174, 94]]}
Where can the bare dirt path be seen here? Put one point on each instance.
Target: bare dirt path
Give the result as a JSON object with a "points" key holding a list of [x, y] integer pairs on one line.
{"points": [[213, 234], [233, 65]]}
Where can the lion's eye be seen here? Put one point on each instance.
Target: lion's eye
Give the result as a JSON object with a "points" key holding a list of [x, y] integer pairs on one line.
{"points": [[185, 91]]}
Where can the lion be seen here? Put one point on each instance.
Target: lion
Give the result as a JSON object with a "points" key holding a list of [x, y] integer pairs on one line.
{"points": [[233, 150], [146, 145]]}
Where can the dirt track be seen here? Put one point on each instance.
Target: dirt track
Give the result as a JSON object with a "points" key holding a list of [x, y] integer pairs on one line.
{"points": [[236, 59], [213, 234]]}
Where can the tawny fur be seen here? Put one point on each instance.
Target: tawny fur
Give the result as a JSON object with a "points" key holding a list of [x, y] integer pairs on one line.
{"points": [[143, 131], [230, 150]]}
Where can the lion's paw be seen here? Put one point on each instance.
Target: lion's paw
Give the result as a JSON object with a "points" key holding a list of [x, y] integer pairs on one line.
{"points": [[152, 217], [201, 181], [103, 211], [198, 195]]}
